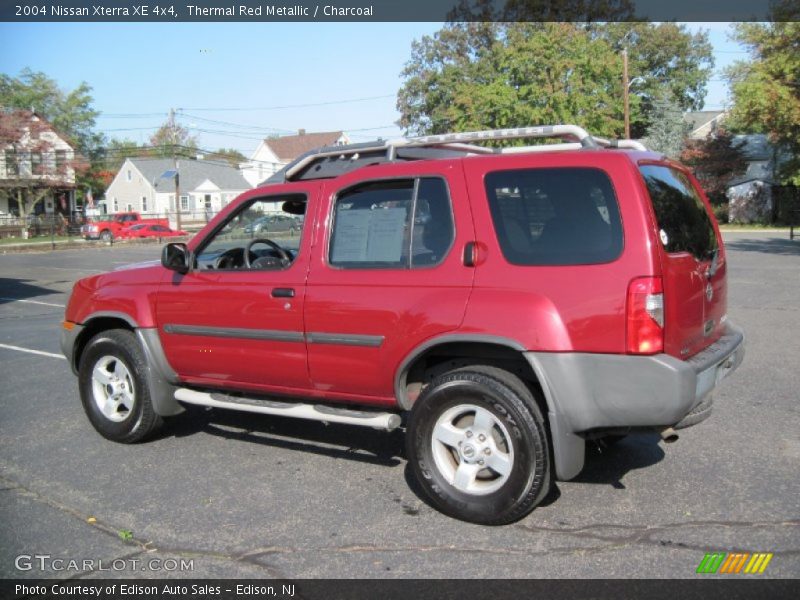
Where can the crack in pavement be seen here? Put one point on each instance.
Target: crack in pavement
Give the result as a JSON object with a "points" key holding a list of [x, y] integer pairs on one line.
{"points": [[638, 534], [144, 546], [643, 534]]}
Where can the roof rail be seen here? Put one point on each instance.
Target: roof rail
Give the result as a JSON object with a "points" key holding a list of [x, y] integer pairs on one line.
{"points": [[464, 142]]}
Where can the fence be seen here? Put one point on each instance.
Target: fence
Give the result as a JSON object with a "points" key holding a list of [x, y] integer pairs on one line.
{"points": [[57, 227]]}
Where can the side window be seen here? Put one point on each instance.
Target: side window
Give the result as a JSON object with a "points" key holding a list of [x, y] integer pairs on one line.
{"points": [[397, 224], [561, 216], [263, 234], [682, 218]]}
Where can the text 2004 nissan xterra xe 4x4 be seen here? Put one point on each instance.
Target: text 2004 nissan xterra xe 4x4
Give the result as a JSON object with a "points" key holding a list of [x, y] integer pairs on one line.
{"points": [[512, 302]]}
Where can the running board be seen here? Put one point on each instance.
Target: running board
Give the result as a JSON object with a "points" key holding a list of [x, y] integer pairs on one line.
{"points": [[328, 414]]}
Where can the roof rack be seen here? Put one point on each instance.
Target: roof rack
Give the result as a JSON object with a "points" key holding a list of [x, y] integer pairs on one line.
{"points": [[453, 144]]}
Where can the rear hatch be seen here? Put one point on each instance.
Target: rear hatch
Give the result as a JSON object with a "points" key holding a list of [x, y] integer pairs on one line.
{"points": [[692, 259]]}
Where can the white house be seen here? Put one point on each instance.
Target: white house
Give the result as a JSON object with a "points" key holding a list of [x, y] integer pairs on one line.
{"points": [[703, 123], [273, 154], [141, 186], [37, 166]]}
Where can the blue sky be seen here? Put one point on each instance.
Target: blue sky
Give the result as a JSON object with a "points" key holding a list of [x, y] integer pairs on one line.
{"points": [[233, 80]]}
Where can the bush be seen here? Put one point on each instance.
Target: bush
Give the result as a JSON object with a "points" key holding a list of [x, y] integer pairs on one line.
{"points": [[721, 213]]}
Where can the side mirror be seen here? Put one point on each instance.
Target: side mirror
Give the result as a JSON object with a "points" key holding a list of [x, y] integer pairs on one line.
{"points": [[176, 257]]}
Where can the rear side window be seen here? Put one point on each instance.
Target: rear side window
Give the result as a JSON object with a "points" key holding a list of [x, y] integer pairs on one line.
{"points": [[398, 224], [681, 215], [564, 216]]}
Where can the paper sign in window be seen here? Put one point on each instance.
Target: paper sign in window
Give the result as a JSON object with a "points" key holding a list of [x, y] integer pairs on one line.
{"points": [[374, 236]]}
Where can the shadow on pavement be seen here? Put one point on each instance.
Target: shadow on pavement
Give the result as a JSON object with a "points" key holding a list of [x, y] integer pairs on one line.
{"points": [[769, 246], [359, 444], [607, 466], [18, 289]]}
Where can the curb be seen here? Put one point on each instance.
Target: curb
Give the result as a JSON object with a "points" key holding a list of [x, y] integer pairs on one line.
{"points": [[79, 244]]}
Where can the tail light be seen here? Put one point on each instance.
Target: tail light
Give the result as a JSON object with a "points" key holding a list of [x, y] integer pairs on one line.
{"points": [[645, 316]]}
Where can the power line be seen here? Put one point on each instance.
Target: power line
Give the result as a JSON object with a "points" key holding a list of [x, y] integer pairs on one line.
{"points": [[328, 103], [237, 125]]}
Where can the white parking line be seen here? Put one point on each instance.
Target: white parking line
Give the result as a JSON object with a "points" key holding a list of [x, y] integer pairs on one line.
{"points": [[29, 351], [32, 302]]}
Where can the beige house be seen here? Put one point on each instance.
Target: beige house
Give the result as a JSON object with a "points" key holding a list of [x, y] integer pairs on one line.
{"points": [[37, 166], [273, 154]]}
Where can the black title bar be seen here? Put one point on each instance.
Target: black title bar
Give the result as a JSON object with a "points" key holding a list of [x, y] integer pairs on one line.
{"points": [[66, 11], [734, 588]]}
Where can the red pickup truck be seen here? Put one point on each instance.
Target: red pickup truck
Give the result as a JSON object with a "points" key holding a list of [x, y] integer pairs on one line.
{"points": [[505, 306], [109, 227]]}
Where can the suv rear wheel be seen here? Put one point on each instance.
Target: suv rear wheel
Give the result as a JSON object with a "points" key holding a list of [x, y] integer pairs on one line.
{"points": [[477, 446], [112, 379]]}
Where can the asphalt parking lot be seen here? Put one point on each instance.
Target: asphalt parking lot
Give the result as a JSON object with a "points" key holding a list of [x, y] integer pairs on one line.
{"points": [[256, 496]]}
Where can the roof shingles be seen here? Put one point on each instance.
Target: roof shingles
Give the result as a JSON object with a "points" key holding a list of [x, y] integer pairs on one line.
{"points": [[289, 147], [193, 173]]}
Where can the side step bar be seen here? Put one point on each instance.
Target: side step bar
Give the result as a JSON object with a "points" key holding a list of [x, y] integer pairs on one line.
{"points": [[376, 420]]}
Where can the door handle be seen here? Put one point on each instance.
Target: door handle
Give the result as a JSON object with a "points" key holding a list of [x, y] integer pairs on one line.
{"points": [[282, 293], [470, 252]]}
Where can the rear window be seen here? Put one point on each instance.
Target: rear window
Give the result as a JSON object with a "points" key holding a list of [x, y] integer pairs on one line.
{"points": [[564, 216], [681, 215]]}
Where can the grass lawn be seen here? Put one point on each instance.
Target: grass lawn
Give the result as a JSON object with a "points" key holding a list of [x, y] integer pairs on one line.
{"points": [[38, 240]]}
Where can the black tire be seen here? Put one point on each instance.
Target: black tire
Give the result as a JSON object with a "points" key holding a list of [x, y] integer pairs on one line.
{"points": [[133, 419], [106, 236], [517, 422]]}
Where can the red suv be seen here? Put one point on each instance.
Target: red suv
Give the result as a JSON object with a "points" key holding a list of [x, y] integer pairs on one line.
{"points": [[504, 305]]}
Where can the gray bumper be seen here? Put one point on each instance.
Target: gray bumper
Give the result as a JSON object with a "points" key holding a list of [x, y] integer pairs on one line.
{"points": [[597, 391], [68, 338]]}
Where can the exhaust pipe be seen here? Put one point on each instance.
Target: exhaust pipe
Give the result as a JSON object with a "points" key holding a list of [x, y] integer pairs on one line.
{"points": [[669, 435]]}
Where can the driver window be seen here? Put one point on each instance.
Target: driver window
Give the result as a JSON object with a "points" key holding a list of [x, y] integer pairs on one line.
{"points": [[262, 235]]}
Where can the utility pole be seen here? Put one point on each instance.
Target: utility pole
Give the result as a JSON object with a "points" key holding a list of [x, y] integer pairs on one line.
{"points": [[625, 85], [177, 170]]}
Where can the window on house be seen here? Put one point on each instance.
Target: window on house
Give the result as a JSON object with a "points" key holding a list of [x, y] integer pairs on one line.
{"points": [[144, 204], [397, 224], [129, 175], [12, 163], [36, 163], [61, 160], [184, 202], [116, 205], [129, 207]]}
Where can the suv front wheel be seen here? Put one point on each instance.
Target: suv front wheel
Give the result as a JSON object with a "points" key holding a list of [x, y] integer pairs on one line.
{"points": [[477, 445], [112, 378]]}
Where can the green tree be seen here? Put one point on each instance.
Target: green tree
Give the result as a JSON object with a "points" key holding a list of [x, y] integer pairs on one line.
{"points": [[116, 151], [172, 138], [663, 59], [230, 155], [493, 74], [489, 75], [667, 131], [766, 89], [70, 112]]}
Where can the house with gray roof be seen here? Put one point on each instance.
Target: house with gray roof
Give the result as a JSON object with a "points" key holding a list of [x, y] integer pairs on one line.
{"points": [[702, 123], [750, 195], [206, 187]]}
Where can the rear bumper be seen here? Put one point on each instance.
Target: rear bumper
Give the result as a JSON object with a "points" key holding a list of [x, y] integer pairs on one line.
{"points": [[588, 392]]}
